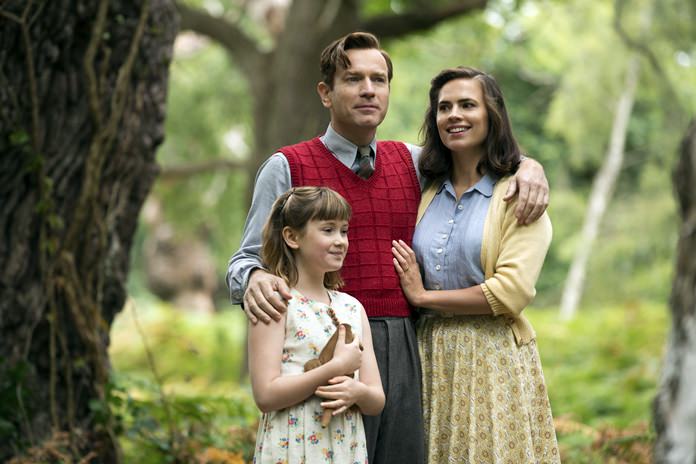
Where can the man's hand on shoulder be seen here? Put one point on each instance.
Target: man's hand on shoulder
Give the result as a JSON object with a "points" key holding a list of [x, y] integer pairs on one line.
{"points": [[532, 188], [266, 297]]}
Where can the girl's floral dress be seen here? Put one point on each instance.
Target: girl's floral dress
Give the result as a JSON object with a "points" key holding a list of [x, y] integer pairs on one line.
{"points": [[294, 435]]}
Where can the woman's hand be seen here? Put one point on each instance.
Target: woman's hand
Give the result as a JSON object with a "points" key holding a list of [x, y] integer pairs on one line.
{"points": [[341, 393], [407, 268], [347, 356]]}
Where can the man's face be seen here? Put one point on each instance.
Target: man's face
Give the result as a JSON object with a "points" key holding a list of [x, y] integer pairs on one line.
{"points": [[359, 99]]}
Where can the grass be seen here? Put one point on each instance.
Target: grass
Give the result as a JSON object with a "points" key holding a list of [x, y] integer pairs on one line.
{"points": [[203, 413], [601, 370]]}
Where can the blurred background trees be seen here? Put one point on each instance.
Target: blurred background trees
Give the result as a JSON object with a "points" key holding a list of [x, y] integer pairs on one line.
{"points": [[242, 84]]}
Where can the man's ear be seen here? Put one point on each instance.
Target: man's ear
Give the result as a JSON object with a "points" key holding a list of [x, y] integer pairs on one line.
{"points": [[324, 90], [290, 236]]}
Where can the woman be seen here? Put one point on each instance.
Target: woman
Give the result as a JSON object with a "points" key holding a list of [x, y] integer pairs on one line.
{"points": [[484, 396]]}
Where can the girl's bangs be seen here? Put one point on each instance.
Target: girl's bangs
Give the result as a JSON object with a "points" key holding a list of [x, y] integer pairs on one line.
{"points": [[331, 207]]}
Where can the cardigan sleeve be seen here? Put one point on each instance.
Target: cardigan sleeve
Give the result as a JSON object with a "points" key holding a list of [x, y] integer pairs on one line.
{"points": [[520, 257]]}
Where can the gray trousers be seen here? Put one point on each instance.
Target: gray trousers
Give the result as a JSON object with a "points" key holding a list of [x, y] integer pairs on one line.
{"points": [[396, 435]]}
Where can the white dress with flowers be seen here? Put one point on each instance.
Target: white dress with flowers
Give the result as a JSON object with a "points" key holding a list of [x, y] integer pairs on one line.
{"points": [[294, 435]]}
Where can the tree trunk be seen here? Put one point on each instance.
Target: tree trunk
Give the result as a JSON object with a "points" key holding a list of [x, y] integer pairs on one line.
{"points": [[674, 408], [602, 190], [286, 105], [82, 91]]}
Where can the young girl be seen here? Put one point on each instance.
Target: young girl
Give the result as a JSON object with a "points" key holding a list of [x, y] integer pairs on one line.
{"points": [[305, 242]]}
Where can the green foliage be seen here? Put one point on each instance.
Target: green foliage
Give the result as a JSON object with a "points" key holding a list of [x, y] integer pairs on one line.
{"points": [[601, 371], [602, 367], [206, 99], [204, 411], [13, 398], [178, 428], [193, 352], [208, 102]]}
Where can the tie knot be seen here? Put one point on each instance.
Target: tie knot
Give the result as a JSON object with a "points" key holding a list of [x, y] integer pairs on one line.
{"points": [[364, 168]]}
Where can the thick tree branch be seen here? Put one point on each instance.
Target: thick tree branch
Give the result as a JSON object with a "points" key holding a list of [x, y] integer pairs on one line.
{"points": [[399, 25], [225, 33], [174, 173]]}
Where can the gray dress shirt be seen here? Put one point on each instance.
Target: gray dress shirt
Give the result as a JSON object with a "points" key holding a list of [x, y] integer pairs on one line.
{"points": [[271, 181], [447, 241]]}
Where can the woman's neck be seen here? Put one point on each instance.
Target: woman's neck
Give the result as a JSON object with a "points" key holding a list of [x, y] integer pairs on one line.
{"points": [[464, 172]]}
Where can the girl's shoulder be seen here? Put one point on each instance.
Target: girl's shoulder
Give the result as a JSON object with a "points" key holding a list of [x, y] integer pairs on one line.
{"points": [[344, 298], [297, 301]]}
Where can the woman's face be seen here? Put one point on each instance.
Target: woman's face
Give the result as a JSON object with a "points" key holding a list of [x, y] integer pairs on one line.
{"points": [[462, 118]]}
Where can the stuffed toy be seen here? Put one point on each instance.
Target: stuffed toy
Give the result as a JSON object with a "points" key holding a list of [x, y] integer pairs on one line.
{"points": [[326, 355]]}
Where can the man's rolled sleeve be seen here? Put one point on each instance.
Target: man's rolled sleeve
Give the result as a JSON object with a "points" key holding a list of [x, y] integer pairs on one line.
{"points": [[271, 181]]}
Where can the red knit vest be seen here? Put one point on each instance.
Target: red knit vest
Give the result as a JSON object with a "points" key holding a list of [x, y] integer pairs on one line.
{"points": [[384, 209]]}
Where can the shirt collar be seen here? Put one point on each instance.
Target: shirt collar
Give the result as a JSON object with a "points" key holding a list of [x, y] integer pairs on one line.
{"points": [[341, 147], [484, 186]]}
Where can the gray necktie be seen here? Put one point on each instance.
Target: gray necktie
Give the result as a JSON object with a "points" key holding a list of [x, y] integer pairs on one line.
{"points": [[365, 168]]}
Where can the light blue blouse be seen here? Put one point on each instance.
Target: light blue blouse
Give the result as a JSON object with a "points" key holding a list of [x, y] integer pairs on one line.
{"points": [[447, 241]]}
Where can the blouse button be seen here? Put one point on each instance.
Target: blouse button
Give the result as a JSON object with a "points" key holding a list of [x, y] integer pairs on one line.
{"points": [[460, 207], [451, 221], [438, 267], [439, 250]]}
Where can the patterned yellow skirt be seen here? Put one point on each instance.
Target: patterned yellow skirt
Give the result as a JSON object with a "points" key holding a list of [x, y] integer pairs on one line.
{"points": [[484, 397]]}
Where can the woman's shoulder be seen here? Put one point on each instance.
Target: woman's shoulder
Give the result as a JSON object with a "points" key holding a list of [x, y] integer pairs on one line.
{"points": [[501, 184]]}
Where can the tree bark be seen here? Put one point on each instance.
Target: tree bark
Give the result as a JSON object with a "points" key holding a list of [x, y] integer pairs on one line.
{"points": [[82, 101], [602, 190], [674, 408]]}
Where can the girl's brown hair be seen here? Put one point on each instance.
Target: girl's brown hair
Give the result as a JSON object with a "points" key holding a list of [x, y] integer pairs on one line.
{"points": [[294, 209]]}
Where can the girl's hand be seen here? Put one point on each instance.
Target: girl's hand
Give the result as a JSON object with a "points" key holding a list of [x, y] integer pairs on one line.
{"points": [[347, 356], [409, 273], [342, 393]]}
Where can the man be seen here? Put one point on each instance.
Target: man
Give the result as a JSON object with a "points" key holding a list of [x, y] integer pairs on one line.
{"points": [[381, 182]]}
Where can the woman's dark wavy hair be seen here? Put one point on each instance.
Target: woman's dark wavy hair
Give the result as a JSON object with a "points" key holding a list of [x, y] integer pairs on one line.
{"points": [[502, 153], [294, 209]]}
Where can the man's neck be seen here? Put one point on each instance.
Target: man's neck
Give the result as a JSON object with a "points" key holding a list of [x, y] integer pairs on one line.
{"points": [[360, 136]]}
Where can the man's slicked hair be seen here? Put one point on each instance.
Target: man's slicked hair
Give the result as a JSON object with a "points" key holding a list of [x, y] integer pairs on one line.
{"points": [[334, 56]]}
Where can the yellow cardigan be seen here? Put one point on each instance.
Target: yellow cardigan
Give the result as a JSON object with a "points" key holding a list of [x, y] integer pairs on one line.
{"points": [[512, 257]]}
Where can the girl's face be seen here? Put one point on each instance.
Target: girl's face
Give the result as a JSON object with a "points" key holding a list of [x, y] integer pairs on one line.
{"points": [[462, 118], [322, 246]]}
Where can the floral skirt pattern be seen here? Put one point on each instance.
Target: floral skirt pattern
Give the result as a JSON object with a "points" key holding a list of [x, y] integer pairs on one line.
{"points": [[484, 397], [295, 436]]}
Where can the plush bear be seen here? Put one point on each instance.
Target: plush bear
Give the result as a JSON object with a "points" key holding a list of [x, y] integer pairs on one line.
{"points": [[325, 356]]}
